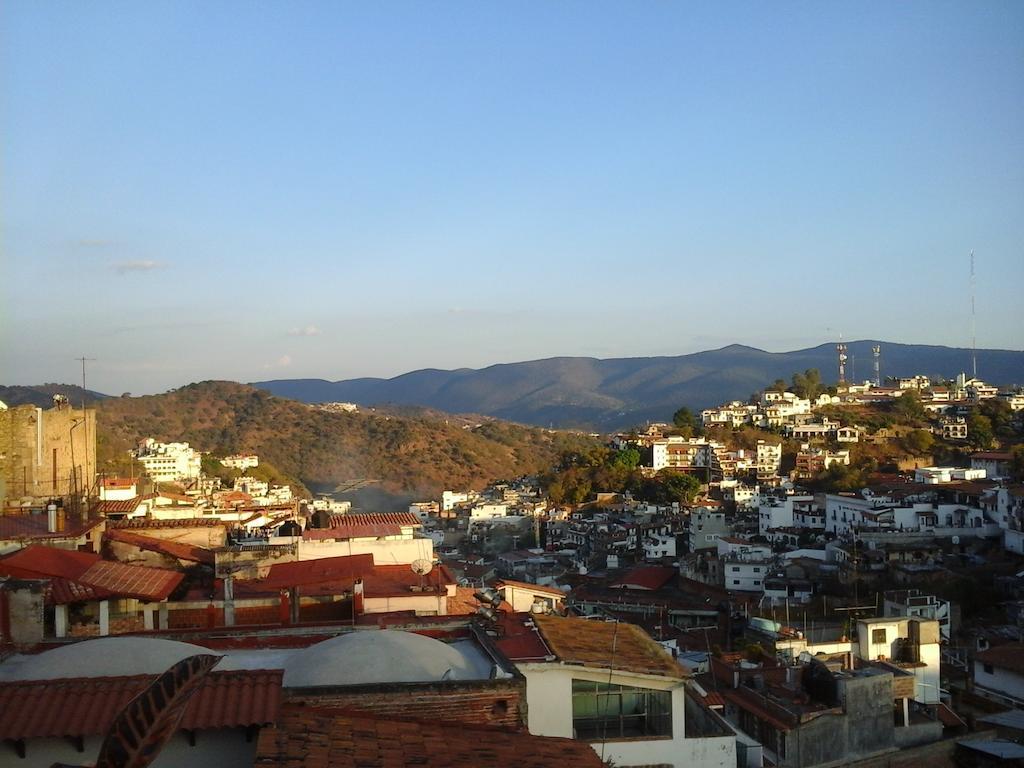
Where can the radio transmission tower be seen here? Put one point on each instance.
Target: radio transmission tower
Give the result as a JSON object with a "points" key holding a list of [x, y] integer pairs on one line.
{"points": [[841, 352], [876, 352]]}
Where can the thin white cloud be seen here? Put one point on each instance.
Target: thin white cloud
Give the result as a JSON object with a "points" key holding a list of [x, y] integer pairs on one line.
{"points": [[309, 330], [136, 265], [283, 361]]}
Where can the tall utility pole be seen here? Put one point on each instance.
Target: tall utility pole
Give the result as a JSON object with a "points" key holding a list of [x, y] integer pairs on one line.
{"points": [[87, 479]]}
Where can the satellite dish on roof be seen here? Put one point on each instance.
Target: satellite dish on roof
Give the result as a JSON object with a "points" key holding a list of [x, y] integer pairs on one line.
{"points": [[956, 539], [422, 567]]}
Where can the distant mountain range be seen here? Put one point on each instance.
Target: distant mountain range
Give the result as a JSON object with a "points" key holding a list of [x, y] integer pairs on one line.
{"points": [[584, 392]]}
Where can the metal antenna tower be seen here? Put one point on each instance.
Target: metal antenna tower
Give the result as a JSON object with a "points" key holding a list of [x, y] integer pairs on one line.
{"points": [[841, 353], [974, 335], [876, 352]]}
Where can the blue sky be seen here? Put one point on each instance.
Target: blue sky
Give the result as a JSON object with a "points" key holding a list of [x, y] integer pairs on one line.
{"points": [[279, 190]]}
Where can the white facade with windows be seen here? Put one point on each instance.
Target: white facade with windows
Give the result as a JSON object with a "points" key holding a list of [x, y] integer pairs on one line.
{"points": [[168, 462], [630, 718]]}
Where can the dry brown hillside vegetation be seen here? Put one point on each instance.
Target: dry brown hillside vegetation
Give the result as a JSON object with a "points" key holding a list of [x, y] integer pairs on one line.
{"points": [[407, 452]]}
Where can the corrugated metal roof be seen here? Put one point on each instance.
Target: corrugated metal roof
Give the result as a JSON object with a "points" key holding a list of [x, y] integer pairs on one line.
{"points": [[81, 706]]}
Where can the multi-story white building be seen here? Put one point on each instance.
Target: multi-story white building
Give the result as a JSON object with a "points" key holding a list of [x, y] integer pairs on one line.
{"points": [[242, 461], [706, 526], [168, 462], [788, 512], [449, 499], [913, 603], [488, 511], [744, 564]]}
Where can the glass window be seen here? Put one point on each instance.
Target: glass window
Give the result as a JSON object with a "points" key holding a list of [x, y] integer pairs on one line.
{"points": [[606, 711], [877, 635]]}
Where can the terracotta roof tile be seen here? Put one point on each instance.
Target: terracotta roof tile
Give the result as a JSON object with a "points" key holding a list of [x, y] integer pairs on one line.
{"points": [[326, 569], [650, 577], [368, 525], [117, 507], [310, 737], [71, 707], [136, 581], [163, 546], [89, 572], [606, 645], [27, 526]]}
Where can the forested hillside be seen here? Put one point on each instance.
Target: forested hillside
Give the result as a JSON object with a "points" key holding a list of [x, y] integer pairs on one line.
{"points": [[416, 452]]}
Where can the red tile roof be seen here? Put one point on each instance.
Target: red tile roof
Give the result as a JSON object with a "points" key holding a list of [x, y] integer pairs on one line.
{"points": [[27, 526], [117, 507], [646, 577], [316, 738], [398, 580], [72, 707], [93, 577], [714, 699], [370, 525], [132, 580], [163, 546], [326, 569], [181, 522]]}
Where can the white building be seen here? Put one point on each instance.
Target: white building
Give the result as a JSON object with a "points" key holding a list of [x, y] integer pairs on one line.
{"points": [[999, 674], [706, 526], [449, 500], [937, 475], [787, 512], [168, 462], [744, 564], [913, 603], [488, 511], [610, 684], [911, 645], [242, 461]]}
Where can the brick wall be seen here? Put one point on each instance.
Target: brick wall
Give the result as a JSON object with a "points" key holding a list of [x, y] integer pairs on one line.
{"points": [[491, 702]]}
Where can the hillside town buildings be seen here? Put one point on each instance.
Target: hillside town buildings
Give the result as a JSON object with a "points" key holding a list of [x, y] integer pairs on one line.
{"points": [[771, 620]]}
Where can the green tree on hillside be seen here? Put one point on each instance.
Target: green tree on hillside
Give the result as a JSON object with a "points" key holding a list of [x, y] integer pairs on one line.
{"points": [[1017, 463], [979, 430], [908, 408], [919, 442], [807, 384]]}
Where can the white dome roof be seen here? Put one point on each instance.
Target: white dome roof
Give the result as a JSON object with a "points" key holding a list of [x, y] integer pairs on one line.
{"points": [[102, 657], [376, 656]]}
